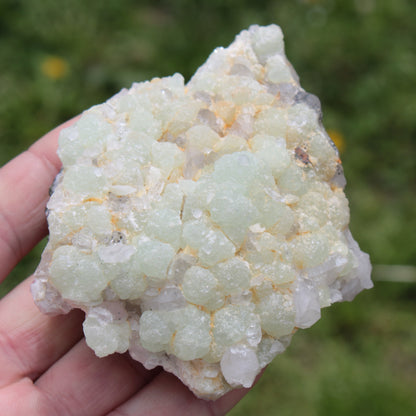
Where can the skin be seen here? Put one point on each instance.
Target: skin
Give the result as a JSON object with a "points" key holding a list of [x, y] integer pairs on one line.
{"points": [[46, 366]]}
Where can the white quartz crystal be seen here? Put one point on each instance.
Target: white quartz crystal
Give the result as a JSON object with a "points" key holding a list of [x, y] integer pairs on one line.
{"points": [[200, 225]]}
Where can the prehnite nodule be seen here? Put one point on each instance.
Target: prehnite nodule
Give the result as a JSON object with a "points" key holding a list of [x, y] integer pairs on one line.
{"points": [[200, 225]]}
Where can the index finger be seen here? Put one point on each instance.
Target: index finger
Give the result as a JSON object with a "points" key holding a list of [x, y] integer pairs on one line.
{"points": [[24, 186]]}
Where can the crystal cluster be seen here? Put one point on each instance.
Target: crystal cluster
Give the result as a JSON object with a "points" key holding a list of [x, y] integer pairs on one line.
{"points": [[200, 225]]}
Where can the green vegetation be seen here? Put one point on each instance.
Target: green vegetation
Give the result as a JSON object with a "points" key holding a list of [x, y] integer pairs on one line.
{"points": [[358, 56]]}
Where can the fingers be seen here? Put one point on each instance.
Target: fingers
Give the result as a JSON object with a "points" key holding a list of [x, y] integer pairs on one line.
{"points": [[86, 385], [31, 342], [24, 398], [167, 396], [74, 381], [24, 185]]}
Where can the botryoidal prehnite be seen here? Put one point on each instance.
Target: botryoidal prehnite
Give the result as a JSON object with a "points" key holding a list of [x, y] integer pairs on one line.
{"points": [[200, 225]]}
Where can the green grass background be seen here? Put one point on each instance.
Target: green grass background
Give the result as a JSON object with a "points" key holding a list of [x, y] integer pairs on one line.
{"points": [[358, 56]]}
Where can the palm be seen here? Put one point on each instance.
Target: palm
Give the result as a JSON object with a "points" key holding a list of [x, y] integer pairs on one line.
{"points": [[46, 367]]}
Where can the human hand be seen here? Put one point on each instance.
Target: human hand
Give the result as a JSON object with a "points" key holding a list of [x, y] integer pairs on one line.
{"points": [[46, 367]]}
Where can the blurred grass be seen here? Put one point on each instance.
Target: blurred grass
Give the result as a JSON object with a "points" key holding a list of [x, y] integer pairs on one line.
{"points": [[359, 57]]}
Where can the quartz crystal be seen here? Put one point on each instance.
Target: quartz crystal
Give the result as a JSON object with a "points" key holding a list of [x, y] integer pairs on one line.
{"points": [[199, 226]]}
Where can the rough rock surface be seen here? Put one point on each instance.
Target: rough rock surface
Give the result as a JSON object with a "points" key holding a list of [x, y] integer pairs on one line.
{"points": [[199, 226]]}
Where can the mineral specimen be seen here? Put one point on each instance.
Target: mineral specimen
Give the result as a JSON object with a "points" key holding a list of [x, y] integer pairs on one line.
{"points": [[200, 225]]}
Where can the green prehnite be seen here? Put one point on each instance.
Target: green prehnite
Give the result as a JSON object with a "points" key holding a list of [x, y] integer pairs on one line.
{"points": [[200, 225]]}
